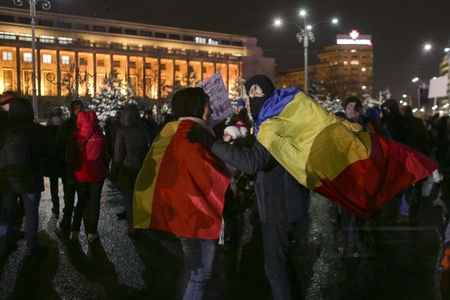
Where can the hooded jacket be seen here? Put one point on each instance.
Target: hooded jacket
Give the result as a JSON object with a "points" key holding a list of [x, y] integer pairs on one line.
{"points": [[21, 116], [131, 147], [87, 163]]}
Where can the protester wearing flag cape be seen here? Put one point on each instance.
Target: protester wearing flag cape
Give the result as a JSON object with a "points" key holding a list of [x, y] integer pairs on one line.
{"points": [[181, 189], [355, 169]]}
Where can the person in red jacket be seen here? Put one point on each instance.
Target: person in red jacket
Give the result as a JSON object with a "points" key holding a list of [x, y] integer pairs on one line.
{"points": [[87, 155]]}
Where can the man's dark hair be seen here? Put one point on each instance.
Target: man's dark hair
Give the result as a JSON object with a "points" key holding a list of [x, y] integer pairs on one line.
{"points": [[189, 102]]}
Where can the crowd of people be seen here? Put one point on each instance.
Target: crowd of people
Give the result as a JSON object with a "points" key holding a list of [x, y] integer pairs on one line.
{"points": [[82, 154]]}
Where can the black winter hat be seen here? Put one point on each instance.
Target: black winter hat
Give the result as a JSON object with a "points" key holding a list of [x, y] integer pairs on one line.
{"points": [[392, 104], [259, 88], [75, 103], [355, 100]]}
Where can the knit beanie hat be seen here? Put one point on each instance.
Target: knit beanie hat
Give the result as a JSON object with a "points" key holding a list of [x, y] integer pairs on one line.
{"points": [[259, 88], [241, 102], [355, 100], [75, 103]]}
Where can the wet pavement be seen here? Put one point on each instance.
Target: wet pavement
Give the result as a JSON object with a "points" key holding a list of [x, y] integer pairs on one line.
{"points": [[397, 262]]}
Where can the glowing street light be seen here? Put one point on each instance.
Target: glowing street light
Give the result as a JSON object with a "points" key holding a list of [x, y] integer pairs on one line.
{"points": [[304, 35], [46, 5]]}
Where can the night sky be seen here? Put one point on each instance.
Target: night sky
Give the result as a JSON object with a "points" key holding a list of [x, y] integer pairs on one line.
{"points": [[399, 28]]}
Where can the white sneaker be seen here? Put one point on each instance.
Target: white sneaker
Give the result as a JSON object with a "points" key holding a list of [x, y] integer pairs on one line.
{"points": [[74, 235], [92, 237]]}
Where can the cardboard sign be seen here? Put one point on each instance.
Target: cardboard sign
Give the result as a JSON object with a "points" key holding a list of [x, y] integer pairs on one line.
{"points": [[218, 96]]}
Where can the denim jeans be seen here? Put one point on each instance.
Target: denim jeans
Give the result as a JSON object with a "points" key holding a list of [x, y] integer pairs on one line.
{"points": [[198, 261], [31, 204], [405, 201], [8, 206], [277, 264]]}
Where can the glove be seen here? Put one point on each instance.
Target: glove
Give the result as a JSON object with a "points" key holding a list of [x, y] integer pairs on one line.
{"points": [[199, 135]]}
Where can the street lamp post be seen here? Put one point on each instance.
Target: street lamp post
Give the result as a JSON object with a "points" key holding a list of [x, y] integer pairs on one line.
{"points": [[421, 89], [45, 5], [304, 35]]}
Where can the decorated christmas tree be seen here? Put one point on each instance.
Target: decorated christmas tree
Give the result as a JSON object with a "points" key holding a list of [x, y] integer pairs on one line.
{"points": [[112, 96], [331, 104]]}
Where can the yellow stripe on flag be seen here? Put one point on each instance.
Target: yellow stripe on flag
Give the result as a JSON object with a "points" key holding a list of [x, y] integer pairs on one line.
{"points": [[146, 180], [300, 139]]}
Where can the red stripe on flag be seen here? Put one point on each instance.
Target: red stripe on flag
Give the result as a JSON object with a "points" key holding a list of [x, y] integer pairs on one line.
{"points": [[190, 189], [366, 185]]}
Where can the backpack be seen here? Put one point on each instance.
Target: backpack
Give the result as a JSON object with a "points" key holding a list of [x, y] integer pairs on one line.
{"points": [[16, 158]]}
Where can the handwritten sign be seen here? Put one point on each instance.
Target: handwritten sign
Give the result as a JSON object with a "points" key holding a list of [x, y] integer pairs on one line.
{"points": [[218, 97]]}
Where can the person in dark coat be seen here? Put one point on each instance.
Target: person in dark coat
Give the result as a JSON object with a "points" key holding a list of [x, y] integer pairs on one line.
{"points": [[403, 131], [149, 123], [55, 167], [282, 200], [112, 124], [30, 183], [131, 147], [67, 128]]}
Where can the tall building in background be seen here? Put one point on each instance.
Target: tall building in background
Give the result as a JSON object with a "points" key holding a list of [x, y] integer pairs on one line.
{"points": [[344, 69], [444, 68], [76, 54]]}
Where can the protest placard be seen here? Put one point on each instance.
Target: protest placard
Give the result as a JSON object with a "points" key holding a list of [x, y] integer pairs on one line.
{"points": [[218, 96]]}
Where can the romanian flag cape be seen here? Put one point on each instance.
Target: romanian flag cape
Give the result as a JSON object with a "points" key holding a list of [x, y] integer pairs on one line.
{"points": [[357, 170], [181, 186]]}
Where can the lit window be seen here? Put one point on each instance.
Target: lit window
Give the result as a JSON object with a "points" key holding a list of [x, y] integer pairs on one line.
{"points": [[213, 42], [25, 37], [363, 69], [27, 57], [46, 58], [7, 35], [7, 55], [353, 50], [47, 39], [65, 59], [354, 62], [65, 40], [200, 40], [345, 62]]}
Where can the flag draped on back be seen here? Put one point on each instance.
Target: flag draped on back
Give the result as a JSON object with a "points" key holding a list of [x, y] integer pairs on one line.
{"points": [[181, 186], [357, 170]]}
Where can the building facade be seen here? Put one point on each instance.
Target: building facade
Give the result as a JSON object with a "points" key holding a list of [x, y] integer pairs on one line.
{"points": [[344, 69], [444, 68], [75, 54]]}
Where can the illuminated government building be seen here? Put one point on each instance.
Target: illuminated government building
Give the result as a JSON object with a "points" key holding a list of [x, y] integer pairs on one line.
{"points": [[344, 69], [149, 56]]}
